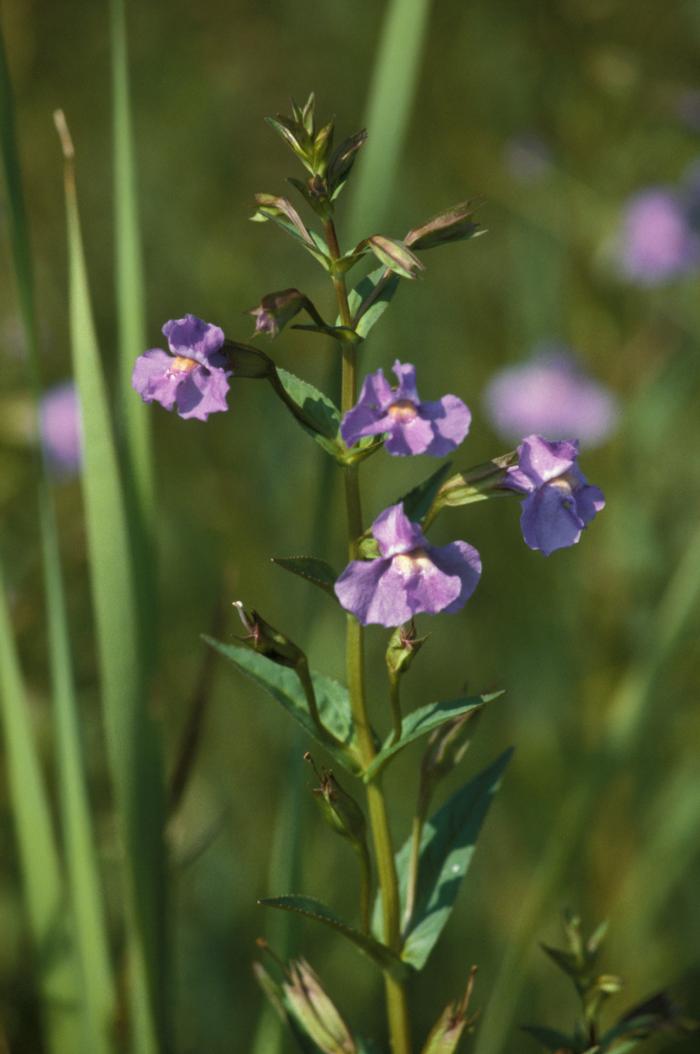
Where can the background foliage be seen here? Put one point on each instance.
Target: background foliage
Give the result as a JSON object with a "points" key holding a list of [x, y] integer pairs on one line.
{"points": [[600, 808]]}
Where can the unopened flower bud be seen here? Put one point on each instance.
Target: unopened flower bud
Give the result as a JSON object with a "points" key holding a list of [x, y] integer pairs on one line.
{"points": [[340, 809], [447, 1032], [275, 310], [267, 641], [403, 647], [452, 225], [314, 1011]]}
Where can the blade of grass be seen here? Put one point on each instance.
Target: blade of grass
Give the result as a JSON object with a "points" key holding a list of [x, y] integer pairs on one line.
{"points": [[132, 329], [392, 91], [132, 743], [38, 856], [97, 990]]}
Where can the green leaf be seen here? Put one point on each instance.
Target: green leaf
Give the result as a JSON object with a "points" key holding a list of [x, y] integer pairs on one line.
{"points": [[447, 847], [420, 722], [283, 685], [318, 408], [315, 909], [370, 298], [97, 1003], [418, 501], [132, 743], [549, 1038], [58, 976], [318, 572]]}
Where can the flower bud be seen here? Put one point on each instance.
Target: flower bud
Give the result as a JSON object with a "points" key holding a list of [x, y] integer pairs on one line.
{"points": [[275, 310], [267, 641], [452, 225], [342, 160], [446, 1033], [403, 647], [395, 255], [315, 1012], [340, 810]]}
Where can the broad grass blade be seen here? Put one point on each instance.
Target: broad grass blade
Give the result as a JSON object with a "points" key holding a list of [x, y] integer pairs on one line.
{"points": [[392, 91], [96, 1003], [129, 277], [45, 893], [132, 744]]}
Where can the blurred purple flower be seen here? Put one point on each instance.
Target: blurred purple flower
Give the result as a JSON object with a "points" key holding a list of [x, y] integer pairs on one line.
{"points": [[656, 242], [527, 157], [552, 396], [410, 576], [559, 500], [193, 377], [59, 427], [413, 427]]}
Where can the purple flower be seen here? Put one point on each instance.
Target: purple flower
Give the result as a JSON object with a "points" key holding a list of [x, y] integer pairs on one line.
{"points": [[59, 426], [552, 396], [559, 500], [656, 241], [412, 427], [193, 377], [410, 576]]}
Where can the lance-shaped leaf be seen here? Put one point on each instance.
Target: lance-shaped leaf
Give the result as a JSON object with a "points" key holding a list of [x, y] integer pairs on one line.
{"points": [[314, 909], [394, 255], [370, 298], [447, 847], [321, 413], [423, 720], [550, 1038], [341, 162], [283, 685], [452, 225], [318, 572], [419, 500]]}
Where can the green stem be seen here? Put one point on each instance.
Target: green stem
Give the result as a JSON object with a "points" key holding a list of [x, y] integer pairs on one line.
{"points": [[365, 888], [397, 1007], [302, 672]]}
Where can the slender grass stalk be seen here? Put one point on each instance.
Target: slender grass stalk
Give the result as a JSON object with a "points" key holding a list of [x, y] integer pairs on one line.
{"points": [[97, 990], [129, 273], [56, 965], [392, 91], [132, 744], [627, 723]]}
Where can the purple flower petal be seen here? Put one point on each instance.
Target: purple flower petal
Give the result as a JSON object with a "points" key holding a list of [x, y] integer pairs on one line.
{"points": [[549, 520], [411, 427], [410, 577], [559, 500], [656, 242], [396, 533], [59, 426], [373, 592], [194, 338], [193, 377]]}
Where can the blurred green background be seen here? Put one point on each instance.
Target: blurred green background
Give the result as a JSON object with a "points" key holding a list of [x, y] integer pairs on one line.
{"points": [[595, 645]]}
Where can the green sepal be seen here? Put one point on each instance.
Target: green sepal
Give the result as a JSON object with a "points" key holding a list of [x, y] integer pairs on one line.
{"points": [[447, 846], [422, 721], [549, 1038], [320, 411], [318, 572], [370, 298], [314, 909], [283, 685]]}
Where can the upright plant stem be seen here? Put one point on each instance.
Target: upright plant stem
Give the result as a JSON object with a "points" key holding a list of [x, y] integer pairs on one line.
{"points": [[397, 1007]]}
